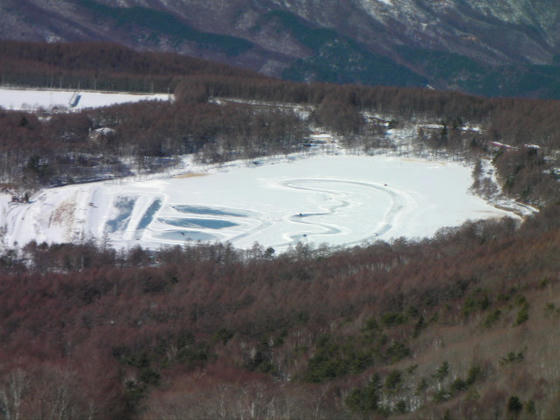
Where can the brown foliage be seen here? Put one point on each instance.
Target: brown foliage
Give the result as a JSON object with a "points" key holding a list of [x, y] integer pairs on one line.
{"points": [[99, 323], [209, 331]]}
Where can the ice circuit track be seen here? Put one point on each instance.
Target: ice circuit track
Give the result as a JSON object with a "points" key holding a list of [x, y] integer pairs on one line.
{"points": [[336, 200]]}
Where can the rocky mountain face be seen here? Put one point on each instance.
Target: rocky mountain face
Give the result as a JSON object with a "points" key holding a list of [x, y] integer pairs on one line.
{"points": [[506, 47]]}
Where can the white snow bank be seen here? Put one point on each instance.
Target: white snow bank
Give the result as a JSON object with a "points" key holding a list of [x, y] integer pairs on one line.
{"points": [[34, 99]]}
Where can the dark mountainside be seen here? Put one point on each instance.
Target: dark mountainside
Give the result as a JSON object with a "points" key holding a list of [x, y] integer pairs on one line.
{"points": [[460, 326], [486, 47]]}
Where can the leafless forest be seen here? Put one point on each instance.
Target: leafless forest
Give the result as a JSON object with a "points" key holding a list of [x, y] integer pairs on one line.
{"points": [[463, 325]]}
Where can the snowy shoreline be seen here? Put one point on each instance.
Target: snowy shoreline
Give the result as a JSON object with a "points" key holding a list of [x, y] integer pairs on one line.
{"points": [[338, 199]]}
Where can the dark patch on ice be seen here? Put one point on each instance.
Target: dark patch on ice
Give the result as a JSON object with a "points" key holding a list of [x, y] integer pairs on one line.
{"points": [[299, 237], [209, 211], [124, 205], [302, 215], [199, 223], [149, 215]]}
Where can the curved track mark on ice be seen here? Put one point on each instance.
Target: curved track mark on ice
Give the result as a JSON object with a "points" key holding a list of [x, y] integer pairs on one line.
{"points": [[252, 215], [328, 229], [397, 205]]}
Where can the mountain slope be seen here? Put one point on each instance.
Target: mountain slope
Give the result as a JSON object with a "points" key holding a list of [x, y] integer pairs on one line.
{"points": [[511, 47]]}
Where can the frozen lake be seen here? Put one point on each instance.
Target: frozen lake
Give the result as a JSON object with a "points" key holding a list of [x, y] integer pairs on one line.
{"points": [[338, 200]]}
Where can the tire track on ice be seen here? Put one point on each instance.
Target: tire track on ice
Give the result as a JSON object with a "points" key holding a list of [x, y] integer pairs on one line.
{"points": [[398, 204]]}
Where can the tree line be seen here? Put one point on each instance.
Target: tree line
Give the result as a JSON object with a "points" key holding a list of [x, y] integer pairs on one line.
{"points": [[70, 148], [100, 66]]}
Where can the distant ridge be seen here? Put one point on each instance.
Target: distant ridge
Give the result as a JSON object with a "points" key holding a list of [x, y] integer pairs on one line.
{"points": [[506, 48]]}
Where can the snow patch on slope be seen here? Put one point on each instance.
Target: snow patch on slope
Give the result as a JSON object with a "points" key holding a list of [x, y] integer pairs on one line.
{"points": [[49, 99]]}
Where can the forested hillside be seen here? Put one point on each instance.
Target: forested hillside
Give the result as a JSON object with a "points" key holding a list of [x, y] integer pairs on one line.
{"points": [[97, 65], [488, 47], [462, 325]]}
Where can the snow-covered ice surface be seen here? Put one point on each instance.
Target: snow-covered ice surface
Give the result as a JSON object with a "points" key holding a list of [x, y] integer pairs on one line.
{"points": [[34, 99], [338, 200]]}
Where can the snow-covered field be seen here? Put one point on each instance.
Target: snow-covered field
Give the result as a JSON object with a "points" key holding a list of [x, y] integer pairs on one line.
{"points": [[49, 99], [338, 200]]}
